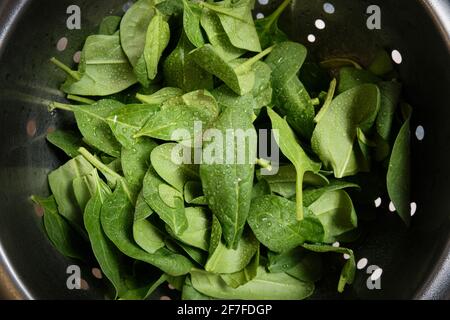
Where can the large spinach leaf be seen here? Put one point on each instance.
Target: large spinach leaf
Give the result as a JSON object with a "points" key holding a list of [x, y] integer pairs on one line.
{"points": [[335, 134], [227, 184]]}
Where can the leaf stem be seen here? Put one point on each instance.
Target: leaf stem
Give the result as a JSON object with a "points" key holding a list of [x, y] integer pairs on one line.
{"points": [[276, 14], [61, 106], [80, 99], [263, 163], [246, 66], [66, 69], [299, 195], [328, 100], [105, 169], [97, 163]]}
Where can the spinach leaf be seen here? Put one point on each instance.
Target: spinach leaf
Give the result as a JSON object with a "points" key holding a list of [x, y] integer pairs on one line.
{"points": [[177, 175], [381, 64], [273, 220], [104, 69], [110, 259], [293, 151], [198, 230], [349, 269], [109, 25], [191, 23], [197, 255], [340, 62], [170, 7], [160, 96], [236, 18], [136, 161], [85, 188], [179, 114], [336, 213], [147, 236], [127, 121], [228, 187], [93, 125], [224, 260], [310, 195], [67, 141], [267, 28], [218, 37], [189, 293], [166, 201], [60, 233], [117, 222], [157, 39], [352, 77], [133, 29], [193, 193], [265, 286], [181, 71], [334, 137], [398, 176], [290, 96], [237, 74], [61, 185], [298, 263], [389, 99], [247, 274], [261, 188], [284, 182]]}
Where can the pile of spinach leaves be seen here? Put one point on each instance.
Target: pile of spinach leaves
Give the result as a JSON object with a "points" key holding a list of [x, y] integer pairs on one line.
{"points": [[213, 230]]}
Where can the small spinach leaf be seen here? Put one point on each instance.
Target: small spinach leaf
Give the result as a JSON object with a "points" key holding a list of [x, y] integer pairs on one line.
{"points": [[133, 29], [191, 23], [166, 201], [224, 260], [109, 25], [61, 184], [236, 18], [177, 175], [349, 269], [298, 263], [181, 71], [59, 231], [157, 39]]}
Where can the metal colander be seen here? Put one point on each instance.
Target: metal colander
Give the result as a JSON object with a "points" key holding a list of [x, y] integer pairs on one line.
{"points": [[398, 262]]}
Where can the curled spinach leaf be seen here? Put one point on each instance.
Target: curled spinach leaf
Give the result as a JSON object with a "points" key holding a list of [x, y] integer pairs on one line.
{"points": [[398, 176]]}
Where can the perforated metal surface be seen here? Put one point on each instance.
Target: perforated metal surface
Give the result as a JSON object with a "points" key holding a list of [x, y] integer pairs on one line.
{"points": [[415, 262]]}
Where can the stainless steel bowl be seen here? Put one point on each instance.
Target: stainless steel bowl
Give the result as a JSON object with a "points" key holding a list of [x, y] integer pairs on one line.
{"points": [[415, 261]]}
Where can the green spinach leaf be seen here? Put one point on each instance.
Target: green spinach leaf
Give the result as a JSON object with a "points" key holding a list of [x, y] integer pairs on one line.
{"points": [[273, 220], [398, 176], [335, 134]]}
